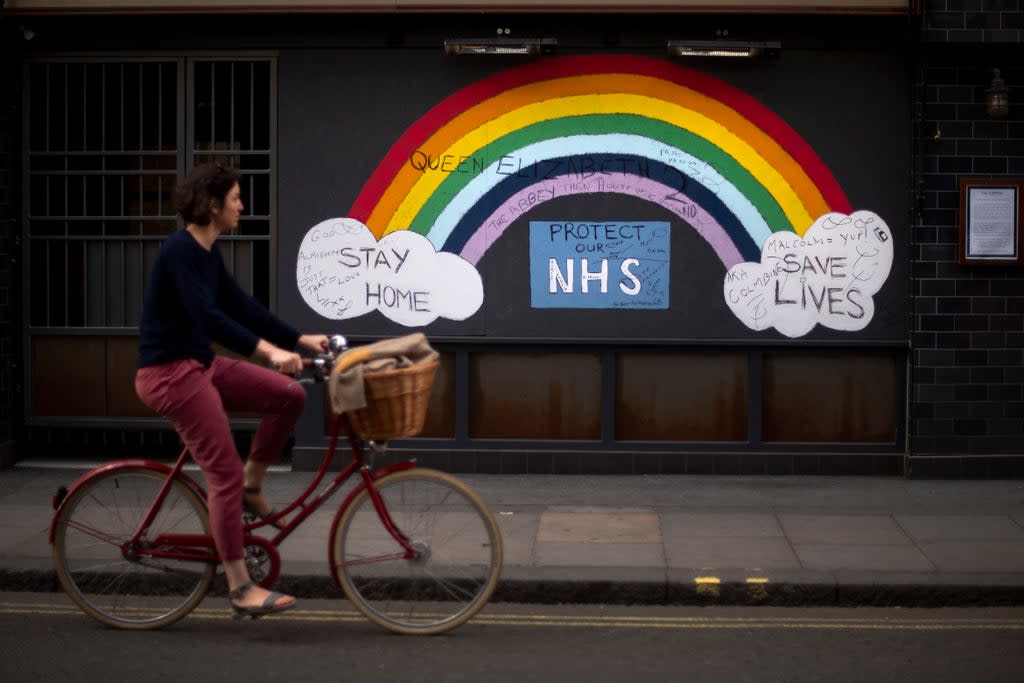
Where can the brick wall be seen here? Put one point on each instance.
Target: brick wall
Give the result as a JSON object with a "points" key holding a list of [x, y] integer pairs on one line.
{"points": [[967, 400], [973, 21], [9, 326]]}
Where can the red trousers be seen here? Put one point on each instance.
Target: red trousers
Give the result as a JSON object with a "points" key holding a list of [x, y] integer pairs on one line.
{"points": [[195, 399]]}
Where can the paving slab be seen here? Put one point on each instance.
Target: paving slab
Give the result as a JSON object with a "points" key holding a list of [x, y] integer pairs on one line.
{"points": [[842, 530], [519, 537], [592, 525], [671, 539], [679, 525], [731, 553], [970, 555], [882, 558], [603, 554], [967, 527]]}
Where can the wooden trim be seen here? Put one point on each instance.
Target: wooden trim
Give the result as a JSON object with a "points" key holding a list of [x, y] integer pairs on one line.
{"points": [[84, 7]]}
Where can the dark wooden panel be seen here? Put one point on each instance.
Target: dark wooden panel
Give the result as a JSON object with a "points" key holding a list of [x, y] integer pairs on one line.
{"points": [[441, 409], [681, 397], [68, 376], [122, 401], [535, 395], [838, 396]]}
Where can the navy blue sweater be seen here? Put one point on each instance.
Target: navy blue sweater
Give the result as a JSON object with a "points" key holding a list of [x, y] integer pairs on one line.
{"points": [[192, 300]]}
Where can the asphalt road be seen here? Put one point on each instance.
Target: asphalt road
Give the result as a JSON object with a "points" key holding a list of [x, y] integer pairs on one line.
{"points": [[45, 638]]}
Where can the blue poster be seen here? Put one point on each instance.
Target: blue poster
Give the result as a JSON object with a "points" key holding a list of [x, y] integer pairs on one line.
{"points": [[599, 265]]}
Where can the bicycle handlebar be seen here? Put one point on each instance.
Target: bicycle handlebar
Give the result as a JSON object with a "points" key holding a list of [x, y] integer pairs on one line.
{"points": [[323, 362]]}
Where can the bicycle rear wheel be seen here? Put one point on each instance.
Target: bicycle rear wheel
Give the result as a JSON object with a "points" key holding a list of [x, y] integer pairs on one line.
{"points": [[104, 577], [460, 553]]}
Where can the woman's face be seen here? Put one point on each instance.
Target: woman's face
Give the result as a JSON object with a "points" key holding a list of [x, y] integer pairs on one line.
{"points": [[226, 218]]}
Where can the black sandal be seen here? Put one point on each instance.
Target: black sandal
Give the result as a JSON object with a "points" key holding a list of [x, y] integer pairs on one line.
{"points": [[250, 510], [268, 606]]}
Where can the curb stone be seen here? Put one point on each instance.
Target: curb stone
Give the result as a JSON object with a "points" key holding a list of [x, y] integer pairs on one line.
{"points": [[554, 589]]}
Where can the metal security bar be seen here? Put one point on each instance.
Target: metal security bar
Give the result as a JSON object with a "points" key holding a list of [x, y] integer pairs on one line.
{"points": [[232, 121], [106, 140], [104, 149], [102, 160]]}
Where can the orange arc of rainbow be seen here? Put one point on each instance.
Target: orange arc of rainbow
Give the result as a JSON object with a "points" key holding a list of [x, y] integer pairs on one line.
{"points": [[486, 112]]}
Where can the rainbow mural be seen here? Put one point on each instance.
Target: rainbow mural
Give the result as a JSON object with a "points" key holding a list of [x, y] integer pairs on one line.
{"points": [[680, 138]]}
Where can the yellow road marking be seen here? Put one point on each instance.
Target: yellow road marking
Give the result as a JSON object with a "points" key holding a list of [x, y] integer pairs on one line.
{"points": [[595, 621], [708, 586], [707, 580]]}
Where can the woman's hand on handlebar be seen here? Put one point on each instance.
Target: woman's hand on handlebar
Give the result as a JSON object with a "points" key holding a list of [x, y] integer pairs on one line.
{"points": [[281, 360], [288, 362], [313, 343]]}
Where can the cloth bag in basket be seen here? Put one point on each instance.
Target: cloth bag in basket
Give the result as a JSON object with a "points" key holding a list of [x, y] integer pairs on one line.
{"points": [[346, 387]]}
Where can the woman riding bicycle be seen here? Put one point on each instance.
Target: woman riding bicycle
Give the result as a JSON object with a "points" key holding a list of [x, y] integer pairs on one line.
{"points": [[190, 301]]}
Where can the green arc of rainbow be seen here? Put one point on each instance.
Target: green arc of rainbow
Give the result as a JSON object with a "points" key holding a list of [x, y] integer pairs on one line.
{"points": [[681, 111]]}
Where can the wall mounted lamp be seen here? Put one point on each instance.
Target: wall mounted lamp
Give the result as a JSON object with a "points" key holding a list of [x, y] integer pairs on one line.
{"points": [[500, 46], [997, 100], [728, 49]]}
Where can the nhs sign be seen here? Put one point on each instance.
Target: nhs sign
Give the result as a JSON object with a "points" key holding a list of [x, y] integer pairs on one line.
{"points": [[599, 265]]}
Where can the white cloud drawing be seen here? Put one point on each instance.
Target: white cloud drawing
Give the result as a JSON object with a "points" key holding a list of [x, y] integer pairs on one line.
{"points": [[343, 272], [827, 276]]}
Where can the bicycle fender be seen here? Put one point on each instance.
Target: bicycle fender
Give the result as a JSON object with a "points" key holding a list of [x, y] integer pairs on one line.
{"points": [[376, 474], [120, 464]]}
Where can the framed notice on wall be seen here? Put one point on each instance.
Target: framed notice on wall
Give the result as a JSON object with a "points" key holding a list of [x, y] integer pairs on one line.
{"points": [[990, 221]]}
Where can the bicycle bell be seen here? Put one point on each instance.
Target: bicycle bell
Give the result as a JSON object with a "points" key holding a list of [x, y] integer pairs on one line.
{"points": [[337, 343]]}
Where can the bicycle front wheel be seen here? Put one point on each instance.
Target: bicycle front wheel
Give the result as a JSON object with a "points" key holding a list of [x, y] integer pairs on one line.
{"points": [[119, 585], [458, 546]]}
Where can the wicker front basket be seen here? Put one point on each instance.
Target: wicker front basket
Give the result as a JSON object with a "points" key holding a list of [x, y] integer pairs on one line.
{"points": [[396, 402]]}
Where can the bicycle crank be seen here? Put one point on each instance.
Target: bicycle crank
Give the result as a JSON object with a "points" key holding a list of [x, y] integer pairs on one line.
{"points": [[262, 560]]}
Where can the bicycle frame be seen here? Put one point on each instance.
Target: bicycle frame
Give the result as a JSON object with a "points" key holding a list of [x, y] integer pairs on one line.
{"points": [[201, 548], [308, 506]]}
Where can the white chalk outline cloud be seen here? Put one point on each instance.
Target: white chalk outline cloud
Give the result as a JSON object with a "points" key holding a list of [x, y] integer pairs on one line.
{"points": [[408, 281], [828, 276]]}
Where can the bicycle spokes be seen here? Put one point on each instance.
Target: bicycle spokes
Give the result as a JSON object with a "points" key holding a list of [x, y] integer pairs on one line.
{"points": [[107, 573], [438, 578]]}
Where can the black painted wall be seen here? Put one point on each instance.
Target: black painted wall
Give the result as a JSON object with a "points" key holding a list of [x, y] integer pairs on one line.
{"points": [[966, 410], [10, 407]]}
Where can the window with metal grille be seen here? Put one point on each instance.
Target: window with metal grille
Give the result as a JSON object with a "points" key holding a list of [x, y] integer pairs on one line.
{"points": [[106, 140]]}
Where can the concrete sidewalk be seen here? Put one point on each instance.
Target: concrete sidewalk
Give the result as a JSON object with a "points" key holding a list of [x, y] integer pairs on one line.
{"points": [[666, 539]]}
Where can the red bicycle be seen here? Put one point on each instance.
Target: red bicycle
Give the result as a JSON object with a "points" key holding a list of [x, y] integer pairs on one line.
{"points": [[414, 549]]}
